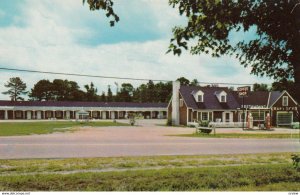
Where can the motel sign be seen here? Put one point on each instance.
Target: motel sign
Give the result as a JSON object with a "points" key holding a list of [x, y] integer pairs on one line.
{"points": [[243, 91]]}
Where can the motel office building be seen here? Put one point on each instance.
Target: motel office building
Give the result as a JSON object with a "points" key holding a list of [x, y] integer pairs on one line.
{"points": [[221, 105], [71, 110]]}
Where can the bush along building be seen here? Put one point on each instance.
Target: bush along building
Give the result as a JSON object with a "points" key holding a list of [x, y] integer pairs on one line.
{"points": [[74, 110], [224, 107]]}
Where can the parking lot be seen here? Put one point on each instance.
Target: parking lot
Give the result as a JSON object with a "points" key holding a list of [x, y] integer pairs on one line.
{"points": [[146, 139]]}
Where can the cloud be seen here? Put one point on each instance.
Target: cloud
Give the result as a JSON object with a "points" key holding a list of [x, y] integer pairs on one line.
{"points": [[56, 36]]}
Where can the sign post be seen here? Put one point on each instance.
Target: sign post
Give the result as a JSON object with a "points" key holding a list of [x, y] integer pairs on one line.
{"points": [[243, 92]]}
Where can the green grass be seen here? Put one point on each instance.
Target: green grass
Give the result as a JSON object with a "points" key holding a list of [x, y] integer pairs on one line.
{"points": [[231, 172], [280, 177], [28, 128], [120, 163], [294, 135]]}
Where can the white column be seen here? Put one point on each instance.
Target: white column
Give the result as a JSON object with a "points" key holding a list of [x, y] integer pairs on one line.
{"points": [[13, 114], [24, 114], [53, 114], [175, 103], [63, 115], [91, 114], [5, 115]]}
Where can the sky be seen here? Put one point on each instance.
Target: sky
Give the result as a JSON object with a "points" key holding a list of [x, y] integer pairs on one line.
{"points": [[65, 36]]}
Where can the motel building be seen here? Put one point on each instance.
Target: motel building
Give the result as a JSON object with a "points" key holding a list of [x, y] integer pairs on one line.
{"points": [[40, 110], [224, 108]]}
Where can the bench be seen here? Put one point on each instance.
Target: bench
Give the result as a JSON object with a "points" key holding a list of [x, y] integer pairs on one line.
{"points": [[207, 130]]}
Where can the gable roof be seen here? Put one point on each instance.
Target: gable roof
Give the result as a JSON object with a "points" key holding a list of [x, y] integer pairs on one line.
{"points": [[274, 96], [82, 104], [278, 96], [210, 99], [257, 98]]}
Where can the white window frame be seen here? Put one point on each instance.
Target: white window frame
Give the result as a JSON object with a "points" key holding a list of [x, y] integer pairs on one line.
{"points": [[200, 99], [284, 112], [285, 99], [224, 98], [259, 113], [181, 102], [207, 116]]}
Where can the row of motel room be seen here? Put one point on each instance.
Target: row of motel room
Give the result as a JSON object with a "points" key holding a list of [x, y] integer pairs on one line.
{"points": [[188, 104], [38, 110]]}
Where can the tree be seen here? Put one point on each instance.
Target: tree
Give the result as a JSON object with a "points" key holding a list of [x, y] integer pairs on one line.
{"points": [[103, 97], [42, 90], [126, 93], [58, 90], [274, 51], [109, 97], [106, 5], [16, 88], [183, 81], [283, 85], [91, 92], [260, 87], [194, 82]]}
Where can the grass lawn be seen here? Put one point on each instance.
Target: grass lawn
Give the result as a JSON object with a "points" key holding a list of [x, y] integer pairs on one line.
{"points": [[28, 128], [294, 135], [239, 172]]}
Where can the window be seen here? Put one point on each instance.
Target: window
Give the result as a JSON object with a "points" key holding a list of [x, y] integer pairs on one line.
{"points": [[258, 116], [200, 98], [285, 101], [223, 98], [204, 116], [181, 102]]}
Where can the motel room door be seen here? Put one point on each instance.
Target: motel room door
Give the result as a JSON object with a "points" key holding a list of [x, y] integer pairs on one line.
{"points": [[39, 115], [227, 116], [28, 114]]}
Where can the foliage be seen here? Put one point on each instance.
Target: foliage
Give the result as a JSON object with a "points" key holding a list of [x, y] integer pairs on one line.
{"points": [[260, 87], [107, 6], [58, 90], [183, 81], [296, 161], [91, 92], [273, 51], [16, 88], [204, 123], [109, 97]]}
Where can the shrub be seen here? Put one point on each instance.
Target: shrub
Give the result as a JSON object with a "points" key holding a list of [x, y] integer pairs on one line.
{"points": [[296, 161], [169, 122]]}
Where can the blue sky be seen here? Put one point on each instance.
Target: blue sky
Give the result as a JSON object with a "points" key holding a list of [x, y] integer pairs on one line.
{"points": [[65, 36]]}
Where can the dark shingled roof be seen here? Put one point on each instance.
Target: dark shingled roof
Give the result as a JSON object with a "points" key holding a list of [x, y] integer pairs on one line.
{"points": [[254, 98], [210, 99], [274, 96], [82, 104]]}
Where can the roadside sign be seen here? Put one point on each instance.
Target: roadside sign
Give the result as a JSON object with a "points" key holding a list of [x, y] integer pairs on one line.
{"points": [[243, 91]]}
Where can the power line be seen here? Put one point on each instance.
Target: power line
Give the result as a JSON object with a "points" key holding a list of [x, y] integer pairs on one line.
{"points": [[81, 75], [113, 77]]}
